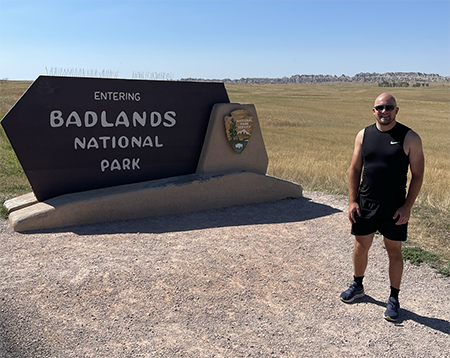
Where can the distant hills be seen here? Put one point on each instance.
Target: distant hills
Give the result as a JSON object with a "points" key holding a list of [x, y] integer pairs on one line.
{"points": [[410, 77]]}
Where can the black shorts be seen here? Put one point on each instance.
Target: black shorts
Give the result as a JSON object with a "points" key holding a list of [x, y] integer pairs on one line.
{"points": [[387, 227]]}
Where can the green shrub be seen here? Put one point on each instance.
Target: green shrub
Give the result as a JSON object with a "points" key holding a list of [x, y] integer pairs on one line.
{"points": [[3, 212], [445, 270], [416, 255]]}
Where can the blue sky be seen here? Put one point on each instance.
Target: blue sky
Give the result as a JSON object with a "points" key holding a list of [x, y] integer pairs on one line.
{"points": [[223, 39]]}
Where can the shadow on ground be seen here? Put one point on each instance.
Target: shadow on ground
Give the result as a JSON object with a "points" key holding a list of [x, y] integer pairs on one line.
{"points": [[15, 344], [281, 211], [406, 315]]}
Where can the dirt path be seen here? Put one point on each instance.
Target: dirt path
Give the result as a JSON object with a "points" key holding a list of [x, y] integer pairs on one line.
{"points": [[251, 281]]}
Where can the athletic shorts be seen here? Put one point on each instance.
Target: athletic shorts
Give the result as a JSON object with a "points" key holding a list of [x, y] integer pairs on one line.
{"points": [[387, 227]]}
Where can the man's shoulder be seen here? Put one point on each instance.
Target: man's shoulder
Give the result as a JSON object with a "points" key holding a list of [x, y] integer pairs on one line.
{"points": [[410, 134], [367, 130], [360, 136], [413, 138]]}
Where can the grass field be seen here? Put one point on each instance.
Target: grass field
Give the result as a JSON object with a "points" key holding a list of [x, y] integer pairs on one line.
{"points": [[309, 132], [13, 181]]}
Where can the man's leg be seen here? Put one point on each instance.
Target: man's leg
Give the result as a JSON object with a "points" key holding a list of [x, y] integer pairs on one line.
{"points": [[360, 257], [394, 249], [361, 253]]}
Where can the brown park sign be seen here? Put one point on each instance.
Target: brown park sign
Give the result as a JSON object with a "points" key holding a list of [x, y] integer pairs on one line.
{"points": [[77, 134]]}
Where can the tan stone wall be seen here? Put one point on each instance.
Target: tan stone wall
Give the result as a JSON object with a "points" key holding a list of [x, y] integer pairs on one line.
{"points": [[218, 155]]}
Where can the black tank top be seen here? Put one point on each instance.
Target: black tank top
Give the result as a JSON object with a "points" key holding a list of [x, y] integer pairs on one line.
{"points": [[383, 187]]}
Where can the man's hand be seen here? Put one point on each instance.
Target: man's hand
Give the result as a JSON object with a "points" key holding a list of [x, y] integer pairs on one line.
{"points": [[352, 209], [403, 214]]}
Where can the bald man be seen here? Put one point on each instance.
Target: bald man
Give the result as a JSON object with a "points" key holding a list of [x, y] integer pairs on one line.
{"points": [[383, 153]]}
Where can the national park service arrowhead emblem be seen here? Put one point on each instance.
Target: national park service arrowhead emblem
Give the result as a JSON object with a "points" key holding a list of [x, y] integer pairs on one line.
{"points": [[238, 127]]}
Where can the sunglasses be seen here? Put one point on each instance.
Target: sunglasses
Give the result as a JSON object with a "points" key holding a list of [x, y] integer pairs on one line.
{"points": [[389, 107]]}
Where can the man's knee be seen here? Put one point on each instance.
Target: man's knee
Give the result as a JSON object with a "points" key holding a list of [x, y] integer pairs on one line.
{"points": [[363, 243], [394, 249]]}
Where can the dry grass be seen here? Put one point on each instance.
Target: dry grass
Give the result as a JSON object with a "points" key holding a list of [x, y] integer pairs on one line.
{"points": [[309, 132], [13, 181], [10, 92]]}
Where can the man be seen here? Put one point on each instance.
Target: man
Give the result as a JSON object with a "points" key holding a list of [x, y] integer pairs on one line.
{"points": [[379, 202]]}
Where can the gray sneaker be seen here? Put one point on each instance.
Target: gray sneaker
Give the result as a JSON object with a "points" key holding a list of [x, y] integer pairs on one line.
{"points": [[392, 309], [352, 293]]}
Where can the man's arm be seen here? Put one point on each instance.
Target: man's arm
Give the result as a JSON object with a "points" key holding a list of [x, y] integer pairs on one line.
{"points": [[413, 148], [354, 177]]}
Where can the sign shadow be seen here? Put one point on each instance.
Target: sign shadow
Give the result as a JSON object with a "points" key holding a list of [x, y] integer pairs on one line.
{"points": [[280, 211]]}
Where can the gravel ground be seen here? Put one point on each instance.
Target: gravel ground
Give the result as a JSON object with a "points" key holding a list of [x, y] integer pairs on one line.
{"points": [[250, 281]]}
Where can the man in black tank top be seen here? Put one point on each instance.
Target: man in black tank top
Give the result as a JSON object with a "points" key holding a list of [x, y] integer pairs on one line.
{"points": [[383, 154]]}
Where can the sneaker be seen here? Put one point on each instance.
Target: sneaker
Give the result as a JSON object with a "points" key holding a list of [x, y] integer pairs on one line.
{"points": [[353, 292], [392, 308]]}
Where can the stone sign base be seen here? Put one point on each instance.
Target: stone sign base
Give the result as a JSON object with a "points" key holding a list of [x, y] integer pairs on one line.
{"points": [[153, 198], [224, 178]]}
